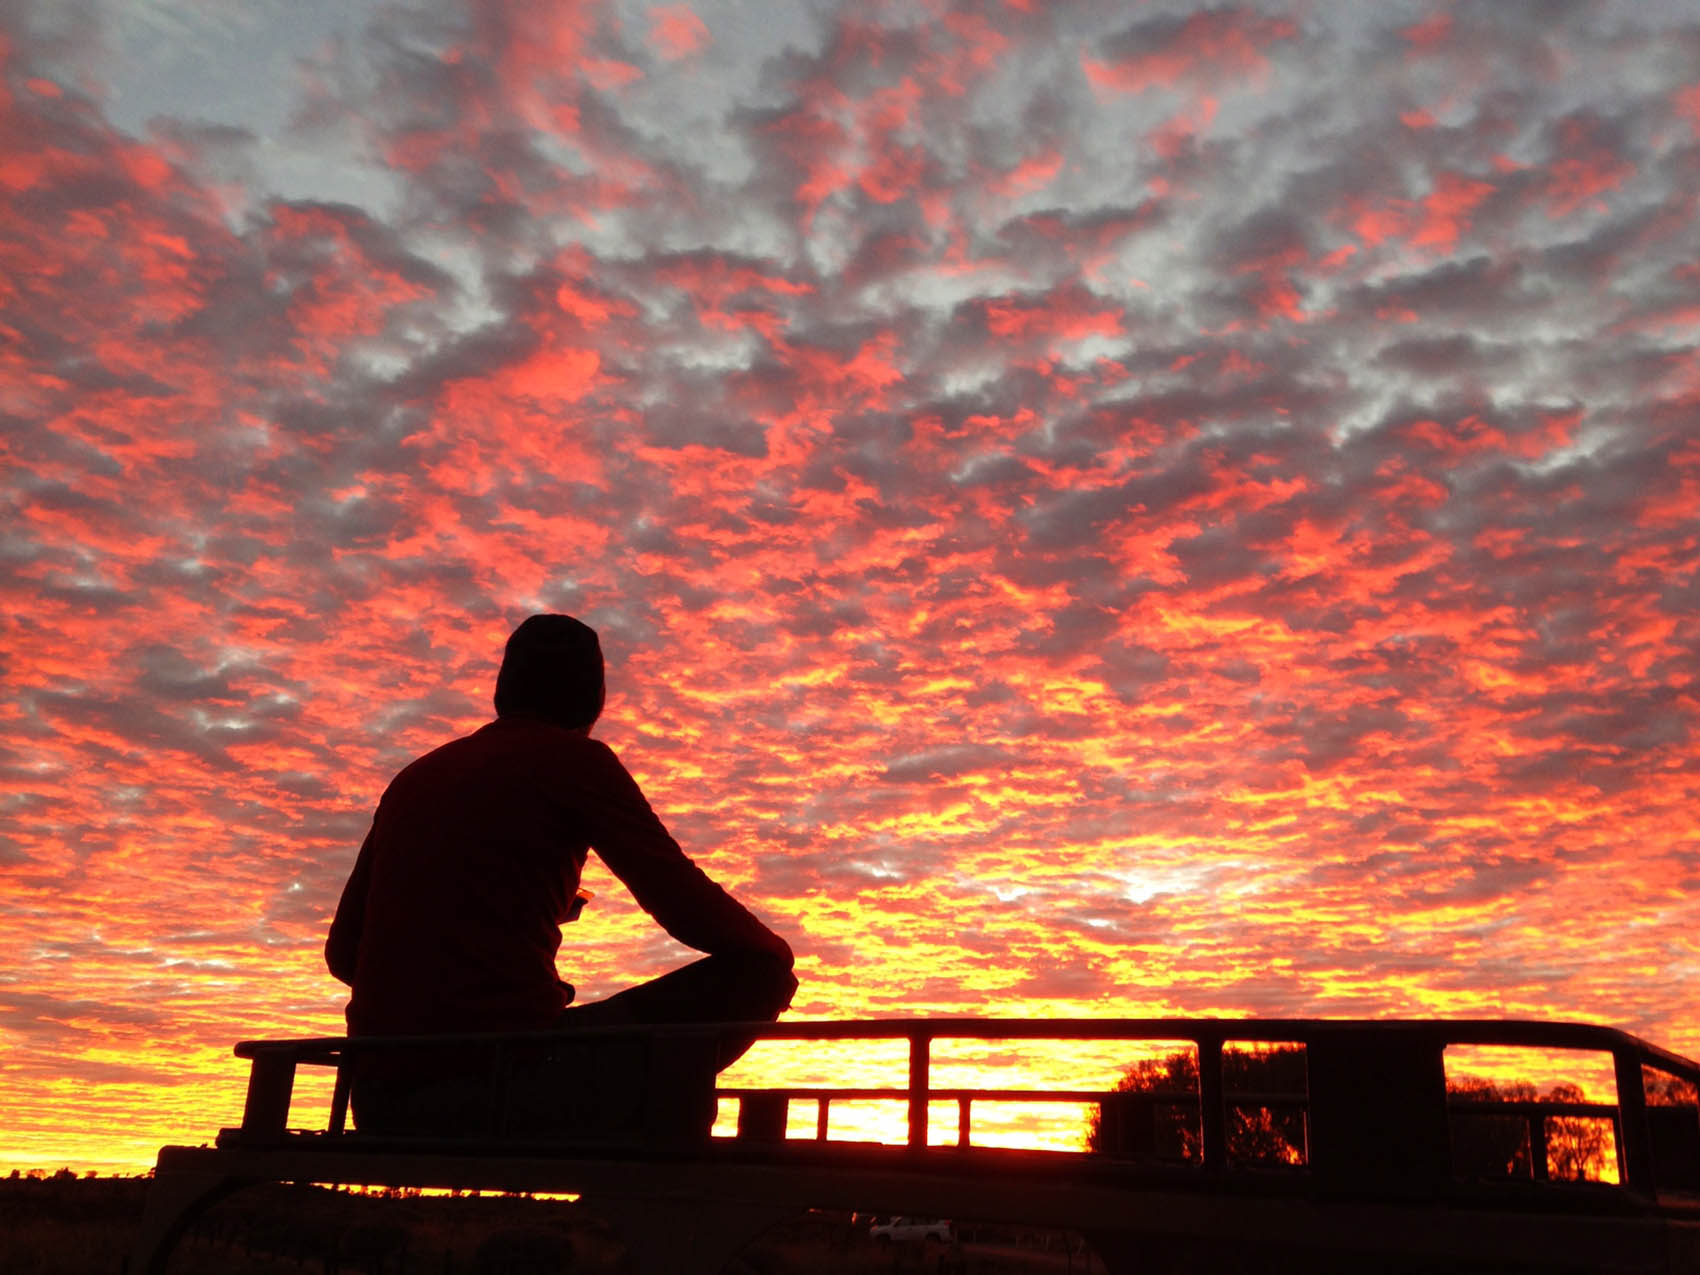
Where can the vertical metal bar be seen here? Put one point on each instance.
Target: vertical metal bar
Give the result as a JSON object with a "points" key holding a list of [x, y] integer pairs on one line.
{"points": [[1538, 1145], [820, 1117], [339, 1097], [962, 1120], [1634, 1136], [1212, 1105], [502, 1078], [271, 1079], [920, 1059]]}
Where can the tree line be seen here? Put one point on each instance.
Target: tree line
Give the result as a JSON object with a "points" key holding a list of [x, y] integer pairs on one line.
{"points": [[1158, 1117]]}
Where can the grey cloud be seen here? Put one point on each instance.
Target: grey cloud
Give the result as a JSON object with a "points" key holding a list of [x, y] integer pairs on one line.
{"points": [[35, 1015], [943, 763], [169, 674], [1269, 233], [1449, 355], [1479, 289], [1130, 668], [1217, 556]]}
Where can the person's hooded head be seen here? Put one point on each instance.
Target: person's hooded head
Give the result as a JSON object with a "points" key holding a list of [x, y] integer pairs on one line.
{"points": [[552, 669]]}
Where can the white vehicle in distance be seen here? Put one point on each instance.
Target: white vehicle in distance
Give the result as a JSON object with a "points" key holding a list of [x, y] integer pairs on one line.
{"points": [[898, 1229]]}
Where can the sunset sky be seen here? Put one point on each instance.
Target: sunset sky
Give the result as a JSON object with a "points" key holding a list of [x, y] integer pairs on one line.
{"points": [[1091, 508]]}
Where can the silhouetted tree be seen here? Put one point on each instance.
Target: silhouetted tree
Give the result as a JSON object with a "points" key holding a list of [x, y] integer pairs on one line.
{"points": [[1578, 1147], [1497, 1144], [1165, 1123], [1665, 1090], [1160, 1117], [1488, 1145]]}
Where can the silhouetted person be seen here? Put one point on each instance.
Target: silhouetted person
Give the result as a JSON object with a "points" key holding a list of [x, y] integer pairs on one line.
{"points": [[451, 919]]}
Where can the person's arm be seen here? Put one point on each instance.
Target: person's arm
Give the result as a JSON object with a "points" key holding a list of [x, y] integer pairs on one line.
{"points": [[639, 850], [342, 947]]}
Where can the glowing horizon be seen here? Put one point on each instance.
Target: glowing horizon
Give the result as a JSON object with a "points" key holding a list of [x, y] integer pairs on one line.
{"points": [[1174, 511]]}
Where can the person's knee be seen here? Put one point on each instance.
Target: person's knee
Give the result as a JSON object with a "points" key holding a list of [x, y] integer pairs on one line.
{"points": [[767, 983], [784, 988]]}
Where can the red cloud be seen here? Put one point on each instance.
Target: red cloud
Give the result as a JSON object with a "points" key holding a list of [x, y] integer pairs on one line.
{"points": [[676, 31], [1065, 315], [1216, 44], [1687, 103], [1446, 209], [1431, 33], [1030, 175], [1575, 179]]}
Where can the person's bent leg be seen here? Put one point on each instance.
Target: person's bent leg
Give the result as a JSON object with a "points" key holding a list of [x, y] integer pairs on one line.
{"points": [[733, 987], [736, 987]]}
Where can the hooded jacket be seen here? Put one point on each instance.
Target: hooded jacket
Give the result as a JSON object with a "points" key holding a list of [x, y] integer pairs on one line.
{"points": [[451, 919]]}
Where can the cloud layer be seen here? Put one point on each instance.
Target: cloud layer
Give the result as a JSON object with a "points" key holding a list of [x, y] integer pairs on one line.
{"points": [[1090, 510]]}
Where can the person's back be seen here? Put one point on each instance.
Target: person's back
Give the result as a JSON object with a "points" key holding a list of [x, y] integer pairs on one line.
{"points": [[476, 851], [450, 922]]}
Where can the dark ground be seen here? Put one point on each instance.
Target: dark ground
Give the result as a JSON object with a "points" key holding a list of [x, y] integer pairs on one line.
{"points": [[84, 1226]]}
